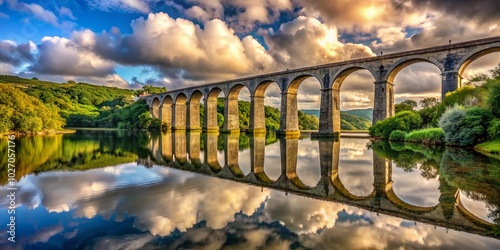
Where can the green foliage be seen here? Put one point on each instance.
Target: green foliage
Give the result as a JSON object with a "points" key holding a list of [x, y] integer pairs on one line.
{"points": [[494, 96], [24, 113], [464, 127], [460, 97], [489, 147], [429, 102], [397, 135], [429, 136], [406, 105], [404, 121], [494, 129], [307, 122], [152, 90]]}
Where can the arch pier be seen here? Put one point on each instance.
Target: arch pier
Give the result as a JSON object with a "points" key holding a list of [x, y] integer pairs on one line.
{"points": [[180, 108]]}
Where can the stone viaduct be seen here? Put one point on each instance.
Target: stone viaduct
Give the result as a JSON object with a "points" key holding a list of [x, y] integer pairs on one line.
{"points": [[180, 107], [181, 150]]}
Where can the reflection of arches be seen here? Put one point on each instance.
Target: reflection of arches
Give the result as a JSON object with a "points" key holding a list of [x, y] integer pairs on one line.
{"points": [[180, 112], [394, 199], [471, 57], [405, 62], [469, 215], [193, 111], [339, 186], [231, 151], [180, 148], [257, 157], [166, 110], [210, 151], [155, 108], [210, 119], [166, 146], [194, 148]]}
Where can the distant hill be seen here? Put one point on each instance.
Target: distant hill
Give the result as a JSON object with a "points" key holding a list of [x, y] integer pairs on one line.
{"points": [[365, 113], [357, 119]]}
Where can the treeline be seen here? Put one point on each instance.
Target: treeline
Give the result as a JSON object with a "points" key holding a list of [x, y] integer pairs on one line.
{"points": [[466, 117]]}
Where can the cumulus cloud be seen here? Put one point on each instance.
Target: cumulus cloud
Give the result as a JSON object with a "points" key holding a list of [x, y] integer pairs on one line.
{"points": [[187, 53], [61, 56], [365, 15], [15, 54], [306, 41], [241, 15]]}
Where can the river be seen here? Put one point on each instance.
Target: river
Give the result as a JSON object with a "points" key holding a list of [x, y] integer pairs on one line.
{"points": [[136, 190]]}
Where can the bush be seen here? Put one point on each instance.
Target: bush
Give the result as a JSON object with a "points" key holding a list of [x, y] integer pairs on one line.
{"points": [[494, 97], [494, 129], [397, 135], [431, 136], [465, 127], [404, 121]]}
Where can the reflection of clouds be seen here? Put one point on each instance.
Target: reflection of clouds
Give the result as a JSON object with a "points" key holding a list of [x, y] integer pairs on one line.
{"points": [[386, 232], [301, 215], [356, 166], [413, 188], [177, 200], [308, 163]]}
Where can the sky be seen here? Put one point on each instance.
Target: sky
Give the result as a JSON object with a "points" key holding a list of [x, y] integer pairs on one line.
{"points": [[129, 43]]}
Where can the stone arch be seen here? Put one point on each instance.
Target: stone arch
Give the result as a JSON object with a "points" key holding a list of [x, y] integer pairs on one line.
{"points": [[343, 73], [210, 115], [402, 63], [293, 87], [193, 110], [155, 108], [257, 105], [166, 110], [231, 111], [180, 113], [471, 57]]}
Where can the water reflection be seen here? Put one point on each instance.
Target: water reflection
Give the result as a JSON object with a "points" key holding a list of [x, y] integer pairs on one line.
{"points": [[301, 194]]}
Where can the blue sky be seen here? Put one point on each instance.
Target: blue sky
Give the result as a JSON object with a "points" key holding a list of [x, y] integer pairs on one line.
{"points": [[128, 43]]}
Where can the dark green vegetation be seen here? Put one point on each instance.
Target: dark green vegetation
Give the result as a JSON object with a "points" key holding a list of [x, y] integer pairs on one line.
{"points": [[24, 113], [466, 117], [33, 106], [359, 119]]}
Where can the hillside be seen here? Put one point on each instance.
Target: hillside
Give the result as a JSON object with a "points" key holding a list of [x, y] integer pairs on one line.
{"points": [[351, 119], [364, 113]]}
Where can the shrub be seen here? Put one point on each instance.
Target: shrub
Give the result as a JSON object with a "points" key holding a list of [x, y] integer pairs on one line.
{"points": [[494, 129], [465, 127], [432, 136], [494, 97], [397, 135], [404, 121]]}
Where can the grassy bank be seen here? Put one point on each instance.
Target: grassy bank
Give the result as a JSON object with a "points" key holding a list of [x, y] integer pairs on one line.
{"points": [[489, 148]]}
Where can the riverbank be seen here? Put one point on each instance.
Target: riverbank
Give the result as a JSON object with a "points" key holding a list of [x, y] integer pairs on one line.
{"points": [[489, 148], [44, 132]]}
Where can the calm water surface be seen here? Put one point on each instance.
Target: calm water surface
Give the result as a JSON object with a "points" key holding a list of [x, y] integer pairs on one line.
{"points": [[134, 190]]}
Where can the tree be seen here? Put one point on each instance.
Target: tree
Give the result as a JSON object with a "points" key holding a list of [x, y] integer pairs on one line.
{"points": [[495, 73], [429, 102]]}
